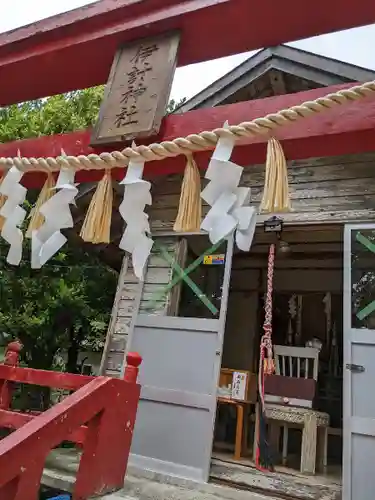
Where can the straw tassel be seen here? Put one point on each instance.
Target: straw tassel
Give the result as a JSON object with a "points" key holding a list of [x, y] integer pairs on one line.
{"points": [[36, 218], [96, 227], [190, 207], [276, 189]]}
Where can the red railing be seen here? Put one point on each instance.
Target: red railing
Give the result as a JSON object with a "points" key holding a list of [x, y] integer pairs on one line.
{"points": [[99, 416]]}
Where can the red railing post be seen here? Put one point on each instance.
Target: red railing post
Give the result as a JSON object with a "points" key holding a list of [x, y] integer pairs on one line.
{"points": [[133, 360], [12, 354], [106, 448], [26, 485]]}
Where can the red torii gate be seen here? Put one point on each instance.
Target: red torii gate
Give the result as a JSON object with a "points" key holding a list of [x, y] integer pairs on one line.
{"points": [[50, 53], [346, 129]]}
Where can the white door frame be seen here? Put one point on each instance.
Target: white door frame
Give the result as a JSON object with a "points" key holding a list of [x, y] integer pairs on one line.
{"points": [[351, 424], [170, 321]]}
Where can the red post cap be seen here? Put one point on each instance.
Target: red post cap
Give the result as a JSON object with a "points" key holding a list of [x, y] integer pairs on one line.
{"points": [[12, 353], [15, 346], [133, 359]]}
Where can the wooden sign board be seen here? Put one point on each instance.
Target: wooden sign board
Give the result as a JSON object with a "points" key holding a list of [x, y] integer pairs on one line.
{"points": [[137, 91]]}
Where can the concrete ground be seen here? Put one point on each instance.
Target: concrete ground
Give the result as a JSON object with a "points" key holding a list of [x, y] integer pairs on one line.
{"points": [[61, 467]]}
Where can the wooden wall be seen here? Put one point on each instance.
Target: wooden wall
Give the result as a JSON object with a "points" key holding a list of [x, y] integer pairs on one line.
{"points": [[131, 294], [323, 191]]}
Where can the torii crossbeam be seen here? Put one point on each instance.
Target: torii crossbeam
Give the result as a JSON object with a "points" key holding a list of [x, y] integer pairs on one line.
{"points": [[75, 50], [346, 129]]}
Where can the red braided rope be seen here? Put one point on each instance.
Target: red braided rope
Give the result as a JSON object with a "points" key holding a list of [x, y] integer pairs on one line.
{"points": [[266, 364], [266, 341]]}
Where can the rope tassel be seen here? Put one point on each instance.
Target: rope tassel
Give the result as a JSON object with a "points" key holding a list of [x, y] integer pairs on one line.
{"points": [[194, 142], [190, 207], [96, 227], [276, 189], [36, 218], [263, 459]]}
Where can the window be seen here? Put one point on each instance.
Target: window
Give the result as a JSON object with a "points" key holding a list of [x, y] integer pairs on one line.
{"points": [[184, 277]]}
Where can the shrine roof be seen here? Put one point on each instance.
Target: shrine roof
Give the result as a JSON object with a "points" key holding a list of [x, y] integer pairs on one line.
{"points": [[276, 71]]}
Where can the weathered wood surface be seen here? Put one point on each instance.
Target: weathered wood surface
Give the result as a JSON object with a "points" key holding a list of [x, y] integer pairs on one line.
{"points": [[293, 486], [285, 280], [309, 441], [118, 329], [151, 301], [158, 275], [138, 90], [322, 190]]}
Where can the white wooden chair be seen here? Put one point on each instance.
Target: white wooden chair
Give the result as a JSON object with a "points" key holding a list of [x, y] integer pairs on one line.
{"points": [[299, 362], [294, 362]]}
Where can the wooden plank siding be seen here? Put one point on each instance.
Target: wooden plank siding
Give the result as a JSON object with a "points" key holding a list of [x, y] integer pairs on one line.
{"points": [[119, 326], [322, 190], [157, 276]]}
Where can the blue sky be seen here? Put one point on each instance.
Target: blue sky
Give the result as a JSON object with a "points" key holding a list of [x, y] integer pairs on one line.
{"points": [[354, 46]]}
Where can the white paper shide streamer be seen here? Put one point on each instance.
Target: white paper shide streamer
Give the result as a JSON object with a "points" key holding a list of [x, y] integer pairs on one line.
{"points": [[13, 214], [230, 210], [48, 239], [135, 239]]}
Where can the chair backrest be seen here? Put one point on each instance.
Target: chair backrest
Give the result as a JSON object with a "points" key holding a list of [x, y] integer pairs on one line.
{"points": [[299, 362], [289, 391]]}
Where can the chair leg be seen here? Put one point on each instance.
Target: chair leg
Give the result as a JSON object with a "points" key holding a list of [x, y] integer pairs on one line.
{"points": [[239, 431], [255, 441], [325, 449], [245, 439], [285, 444], [309, 438], [322, 448]]}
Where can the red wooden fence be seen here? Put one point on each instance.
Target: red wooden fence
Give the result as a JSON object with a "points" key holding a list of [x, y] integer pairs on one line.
{"points": [[99, 415]]}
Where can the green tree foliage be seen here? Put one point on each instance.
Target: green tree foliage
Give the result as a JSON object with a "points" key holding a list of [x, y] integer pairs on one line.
{"points": [[63, 306], [55, 115], [66, 305], [173, 105]]}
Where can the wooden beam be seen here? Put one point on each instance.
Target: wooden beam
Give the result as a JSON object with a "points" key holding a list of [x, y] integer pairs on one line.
{"points": [[348, 129], [44, 378], [60, 53], [14, 420]]}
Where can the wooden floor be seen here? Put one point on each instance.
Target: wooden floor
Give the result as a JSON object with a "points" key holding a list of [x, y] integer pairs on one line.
{"points": [[284, 483]]}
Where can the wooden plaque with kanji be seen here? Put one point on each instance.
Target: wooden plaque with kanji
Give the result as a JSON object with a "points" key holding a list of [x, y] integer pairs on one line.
{"points": [[137, 91]]}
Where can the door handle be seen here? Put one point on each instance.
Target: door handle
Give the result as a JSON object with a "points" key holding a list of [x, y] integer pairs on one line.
{"points": [[355, 368]]}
